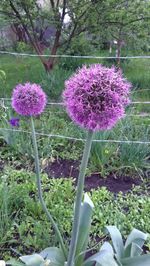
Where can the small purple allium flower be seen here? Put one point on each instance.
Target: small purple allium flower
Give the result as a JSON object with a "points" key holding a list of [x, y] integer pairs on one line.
{"points": [[95, 97], [28, 99], [14, 122]]}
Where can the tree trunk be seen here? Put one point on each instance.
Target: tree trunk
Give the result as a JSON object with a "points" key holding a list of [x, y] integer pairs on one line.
{"points": [[48, 66], [118, 52], [52, 60]]}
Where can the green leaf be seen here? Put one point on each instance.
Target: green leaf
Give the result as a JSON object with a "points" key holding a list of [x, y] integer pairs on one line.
{"points": [[132, 250], [32, 260], [143, 260], [116, 240], [102, 258], [106, 246], [2, 74], [14, 262], [54, 254], [137, 237], [85, 224]]}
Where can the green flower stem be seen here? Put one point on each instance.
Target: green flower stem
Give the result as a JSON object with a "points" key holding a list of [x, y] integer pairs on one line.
{"points": [[78, 202], [40, 194]]}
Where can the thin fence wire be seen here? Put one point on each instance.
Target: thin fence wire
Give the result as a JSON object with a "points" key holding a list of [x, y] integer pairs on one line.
{"points": [[76, 56], [138, 102], [62, 104], [47, 111], [78, 139], [139, 90]]}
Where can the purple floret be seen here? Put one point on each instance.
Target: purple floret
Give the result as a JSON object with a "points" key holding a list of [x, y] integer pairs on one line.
{"points": [[95, 97], [28, 99], [14, 122]]}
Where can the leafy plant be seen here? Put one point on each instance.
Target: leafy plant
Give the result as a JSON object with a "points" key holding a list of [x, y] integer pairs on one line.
{"points": [[133, 157], [55, 255], [22, 47], [129, 254], [5, 217], [125, 211], [119, 254], [53, 84], [102, 154]]}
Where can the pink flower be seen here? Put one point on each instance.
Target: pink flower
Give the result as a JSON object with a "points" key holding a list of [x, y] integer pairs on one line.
{"points": [[96, 97], [28, 99]]}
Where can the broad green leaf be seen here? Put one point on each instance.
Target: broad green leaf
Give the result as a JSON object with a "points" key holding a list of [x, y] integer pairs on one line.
{"points": [[102, 258], [132, 250], [116, 240], [137, 237], [14, 262], [135, 250], [143, 260], [106, 246], [84, 227], [54, 254], [32, 260]]}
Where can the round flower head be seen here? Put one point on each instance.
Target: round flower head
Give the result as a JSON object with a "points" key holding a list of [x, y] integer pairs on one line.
{"points": [[28, 99], [95, 97]]}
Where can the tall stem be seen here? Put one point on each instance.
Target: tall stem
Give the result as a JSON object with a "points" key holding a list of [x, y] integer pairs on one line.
{"points": [[78, 201], [39, 186]]}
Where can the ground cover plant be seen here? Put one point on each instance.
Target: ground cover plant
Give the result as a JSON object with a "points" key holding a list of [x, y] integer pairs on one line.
{"points": [[56, 121], [23, 231]]}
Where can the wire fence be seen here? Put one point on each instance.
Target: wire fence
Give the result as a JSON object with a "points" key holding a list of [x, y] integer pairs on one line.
{"points": [[62, 105], [78, 139], [58, 136], [75, 56]]}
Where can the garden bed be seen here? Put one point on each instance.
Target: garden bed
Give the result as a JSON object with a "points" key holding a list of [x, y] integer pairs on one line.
{"points": [[69, 168]]}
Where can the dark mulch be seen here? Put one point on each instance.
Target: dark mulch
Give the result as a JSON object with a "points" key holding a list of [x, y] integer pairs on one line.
{"points": [[69, 168]]}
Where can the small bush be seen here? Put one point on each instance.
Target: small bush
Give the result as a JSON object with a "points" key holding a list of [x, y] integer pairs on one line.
{"points": [[22, 47]]}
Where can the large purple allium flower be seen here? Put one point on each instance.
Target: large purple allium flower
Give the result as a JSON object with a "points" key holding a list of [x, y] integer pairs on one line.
{"points": [[95, 97], [28, 99]]}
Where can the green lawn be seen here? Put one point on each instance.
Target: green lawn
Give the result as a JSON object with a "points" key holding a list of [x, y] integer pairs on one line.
{"points": [[23, 69], [18, 70]]}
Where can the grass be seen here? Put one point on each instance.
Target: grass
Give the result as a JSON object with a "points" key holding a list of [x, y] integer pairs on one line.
{"points": [[137, 71], [23, 69], [19, 70]]}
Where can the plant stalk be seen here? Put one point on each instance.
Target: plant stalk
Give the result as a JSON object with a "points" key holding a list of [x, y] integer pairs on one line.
{"points": [[39, 186], [78, 201]]}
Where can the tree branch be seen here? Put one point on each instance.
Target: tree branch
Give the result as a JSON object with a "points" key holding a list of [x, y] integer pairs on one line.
{"points": [[52, 4], [135, 20], [32, 26], [26, 30], [57, 4]]}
